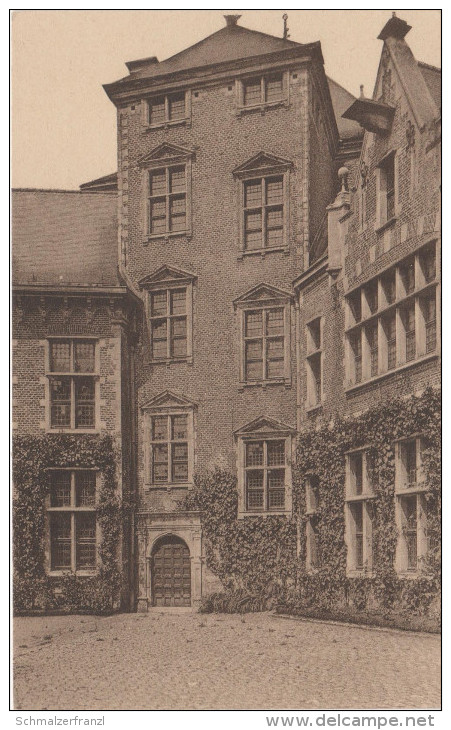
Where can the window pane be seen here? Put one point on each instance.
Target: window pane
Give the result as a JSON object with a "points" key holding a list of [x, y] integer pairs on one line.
{"points": [[178, 214], [84, 403], [177, 179], [60, 541], [389, 286], [254, 360], [159, 428], [85, 487], [159, 339], [253, 221], [254, 454], [252, 93], [427, 259], [276, 488], [179, 347], [274, 218], [178, 301], [160, 463], [157, 182], [356, 461], [84, 357], [177, 106], [274, 191], [60, 489], [408, 276], [253, 241], [254, 490], [60, 398], [158, 216], [371, 296], [276, 453], [274, 238], [158, 304], [254, 371], [314, 329], [60, 357], [274, 88], [254, 324], [86, 541], [274, 322], [180, 462], [409, 323], [179, 427], [156, 111], [253, 194]]}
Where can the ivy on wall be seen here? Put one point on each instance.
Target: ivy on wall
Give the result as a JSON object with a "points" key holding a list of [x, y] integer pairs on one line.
{"points": [[265, 556], [33, 588]]}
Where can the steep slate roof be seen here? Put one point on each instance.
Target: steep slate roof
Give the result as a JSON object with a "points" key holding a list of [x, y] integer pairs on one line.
{"points": [[342, 100], [62, 237], [433, 77]]}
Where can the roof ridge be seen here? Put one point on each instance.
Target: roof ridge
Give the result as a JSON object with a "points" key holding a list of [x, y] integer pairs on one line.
{"points": [[430, 66], [62, 190], [340, 85]]}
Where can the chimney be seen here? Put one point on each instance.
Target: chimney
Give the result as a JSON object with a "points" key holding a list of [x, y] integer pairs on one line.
{"points": [[231, 20]]}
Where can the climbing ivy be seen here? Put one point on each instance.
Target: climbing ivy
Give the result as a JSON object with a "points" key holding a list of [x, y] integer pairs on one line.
{"points": [[33, 588], [265, 556]]}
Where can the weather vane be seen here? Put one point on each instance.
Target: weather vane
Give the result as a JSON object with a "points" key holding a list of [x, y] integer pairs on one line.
{"points": [[285, 26]]}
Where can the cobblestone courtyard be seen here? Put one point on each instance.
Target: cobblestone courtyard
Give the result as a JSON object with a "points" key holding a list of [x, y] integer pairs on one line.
{"points": [[182, 660]]}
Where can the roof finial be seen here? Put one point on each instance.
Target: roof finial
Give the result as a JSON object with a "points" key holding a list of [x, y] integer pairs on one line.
{"points": [[393, 14], [285, 27], [232, 20], [362, 95]]}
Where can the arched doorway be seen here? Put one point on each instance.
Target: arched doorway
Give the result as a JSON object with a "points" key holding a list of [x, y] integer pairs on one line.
{"points": [[171, 572]]}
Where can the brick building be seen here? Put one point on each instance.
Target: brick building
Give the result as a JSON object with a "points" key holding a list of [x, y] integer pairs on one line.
{"points": [[244, 275]]}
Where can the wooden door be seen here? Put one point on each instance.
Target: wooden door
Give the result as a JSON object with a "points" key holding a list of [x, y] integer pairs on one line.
{"points": [[171, 573]]}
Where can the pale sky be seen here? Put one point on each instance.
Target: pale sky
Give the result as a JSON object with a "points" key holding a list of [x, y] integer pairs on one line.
{"points": [[63, 124]]}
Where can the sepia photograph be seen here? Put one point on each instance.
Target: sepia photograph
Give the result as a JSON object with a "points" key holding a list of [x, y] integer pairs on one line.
{"points": [[226, 361]]}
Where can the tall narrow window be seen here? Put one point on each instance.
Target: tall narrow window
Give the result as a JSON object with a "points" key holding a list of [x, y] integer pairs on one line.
{"points": [[168, 324], [264, 344], [72, 520], [265, 464], [359, 513], [372, 337], [411, 509], [167, 200], [314, 362], [409, 326], [312, 499], [169, 447], [430, 317], [386, 192], [263, 213], [390, 334], [356, 345], [72, 383]]}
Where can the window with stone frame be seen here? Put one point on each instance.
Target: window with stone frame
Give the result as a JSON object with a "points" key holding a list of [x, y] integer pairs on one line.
{"points": [[359, 513], [264, 325], [263, 213], [410, 505], [72, 383], [169, 441], [167, 200], [168, 109], [71, 513], [168, 324], [262, 91], [264, 457]]}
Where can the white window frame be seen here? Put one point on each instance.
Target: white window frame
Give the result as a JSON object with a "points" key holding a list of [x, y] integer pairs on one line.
{"points": [[416, 489], [168, 412], [49, 373], [168, 122], [73, 510], [363, 498]]}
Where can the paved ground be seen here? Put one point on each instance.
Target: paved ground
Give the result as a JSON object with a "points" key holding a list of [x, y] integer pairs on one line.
{"points": [[182, 660]]}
